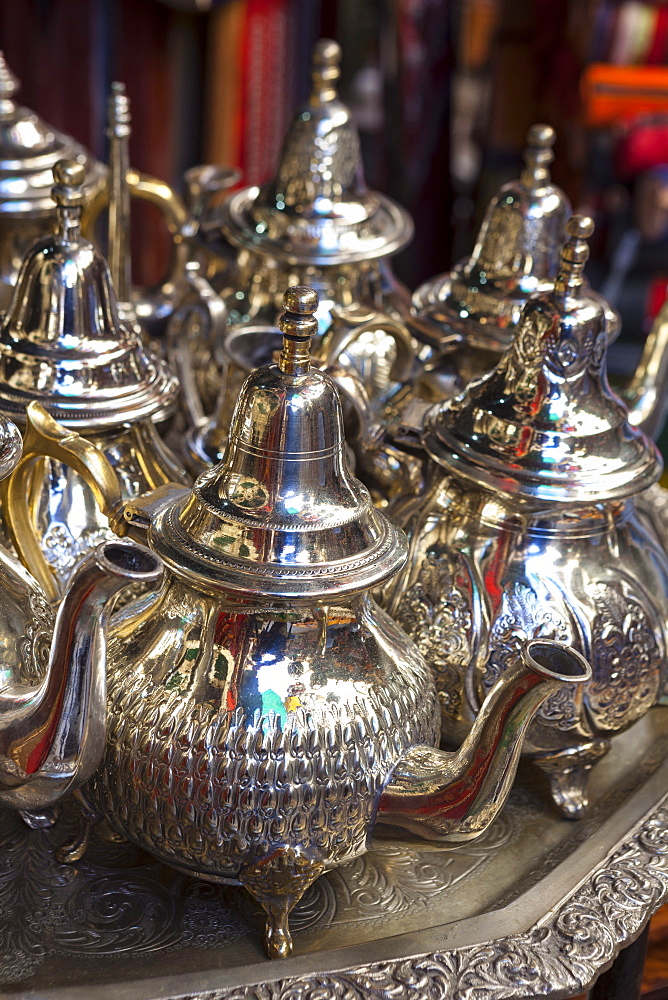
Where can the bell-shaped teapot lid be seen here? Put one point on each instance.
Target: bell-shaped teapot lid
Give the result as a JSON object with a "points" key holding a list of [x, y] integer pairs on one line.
{"points": [[62, 342], [29, 150], [281, 516], [318, 209], [544, 425], [517, 254]]}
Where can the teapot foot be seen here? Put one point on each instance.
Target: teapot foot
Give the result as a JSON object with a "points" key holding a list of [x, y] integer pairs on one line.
{"points": [[568, 773], [39, 819], [74, 849], [278, 881]]}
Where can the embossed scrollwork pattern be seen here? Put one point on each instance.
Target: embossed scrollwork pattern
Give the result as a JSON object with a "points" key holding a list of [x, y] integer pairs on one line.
{"points": [[436, 611]]}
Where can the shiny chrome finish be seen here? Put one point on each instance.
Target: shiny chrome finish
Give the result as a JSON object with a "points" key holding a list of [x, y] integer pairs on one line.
{"points": [[532, 527], [385, 470], [271, 696], [52, 668], [63, 345], [118, 133]]}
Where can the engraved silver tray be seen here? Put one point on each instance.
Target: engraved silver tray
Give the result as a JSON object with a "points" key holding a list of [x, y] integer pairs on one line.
{"points": [[538, 906]]}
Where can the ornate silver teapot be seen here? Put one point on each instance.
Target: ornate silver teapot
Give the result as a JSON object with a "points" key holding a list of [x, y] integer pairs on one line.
{"points": [[530, 528], [263, 711], [467, 318], [52, 670], [316, 222], [63, 345]]}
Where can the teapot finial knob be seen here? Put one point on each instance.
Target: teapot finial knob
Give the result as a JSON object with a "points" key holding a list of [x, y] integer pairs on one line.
{"points": [[68, 195], [297, 324], [119, 117], [326, 69], [538, 155], [579, 229], [9, 85]]}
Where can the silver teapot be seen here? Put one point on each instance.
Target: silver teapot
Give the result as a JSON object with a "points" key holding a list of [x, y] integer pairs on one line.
{"points": [[52, 667], [264, 713], [63, 345], [467, 318], [315, 222], [533, 525]]}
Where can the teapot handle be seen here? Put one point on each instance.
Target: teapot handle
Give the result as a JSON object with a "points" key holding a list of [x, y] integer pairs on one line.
{"points": [[45, 438], [357, 321], [199, 318], [145, 188]]}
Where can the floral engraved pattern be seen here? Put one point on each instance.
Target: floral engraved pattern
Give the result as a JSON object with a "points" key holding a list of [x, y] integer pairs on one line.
{"points": [[626, 659], [560, 956], [523, 617], [36, 643], [436, 611]]}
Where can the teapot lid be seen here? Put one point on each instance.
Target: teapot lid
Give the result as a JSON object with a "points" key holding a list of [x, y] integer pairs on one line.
{"points": [[29, 150], [544, 424], [318, 208], [281, 516], [62, 342], [516, 254]]}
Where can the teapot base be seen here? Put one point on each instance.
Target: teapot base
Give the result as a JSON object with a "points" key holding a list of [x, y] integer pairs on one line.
{"points": [[568, 773], [39, 819], [278, 881], [75, 848]]}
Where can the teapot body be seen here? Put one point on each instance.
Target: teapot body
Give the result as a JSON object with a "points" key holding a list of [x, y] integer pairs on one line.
{"points": [[235, 733], [484, 576]]}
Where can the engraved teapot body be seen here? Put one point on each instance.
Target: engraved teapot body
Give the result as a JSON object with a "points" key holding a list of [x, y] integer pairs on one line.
{"points": [[532, 526]]}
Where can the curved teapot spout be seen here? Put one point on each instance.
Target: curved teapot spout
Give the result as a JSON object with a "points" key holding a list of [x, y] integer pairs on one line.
{"points": [[647, 394], [52, 734], [455, 796]]}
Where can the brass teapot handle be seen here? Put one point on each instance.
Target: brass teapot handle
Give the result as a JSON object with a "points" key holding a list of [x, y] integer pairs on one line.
{"points": [[45, 438], [352, 322], [145, 188]]}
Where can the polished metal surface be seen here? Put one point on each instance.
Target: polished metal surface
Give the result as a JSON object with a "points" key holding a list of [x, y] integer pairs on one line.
{"points": [[63, 345], [533, 525], [317, 209], [52, 669], [119, 131], [536, 905], [53, 705], [516, 254], [315, 223], [467, 318], [29, 150], [350, 343], [260, 702]]}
